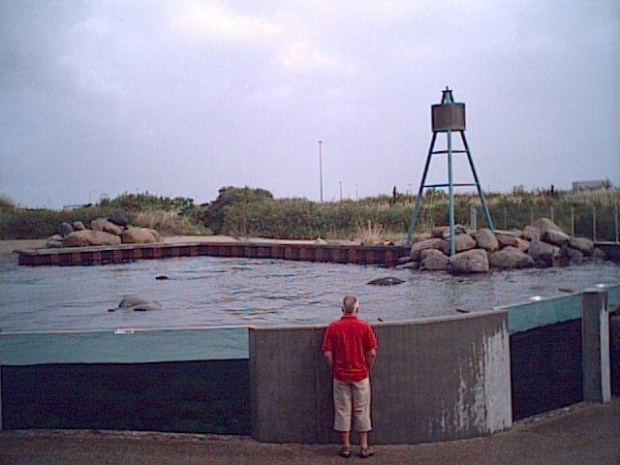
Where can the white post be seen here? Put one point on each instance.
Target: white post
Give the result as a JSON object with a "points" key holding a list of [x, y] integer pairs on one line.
{"points": [[321, 169], [473, 217], [1, 421], [616, 222], [595, 346]]}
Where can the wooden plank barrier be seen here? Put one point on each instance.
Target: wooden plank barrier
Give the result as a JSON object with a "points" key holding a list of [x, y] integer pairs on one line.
{"points": [[355, 254]]}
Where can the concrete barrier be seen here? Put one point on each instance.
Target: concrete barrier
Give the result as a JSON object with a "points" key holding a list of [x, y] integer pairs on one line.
{"points": [[560, 350], [595, 344], [435, 380], [186, 379]]}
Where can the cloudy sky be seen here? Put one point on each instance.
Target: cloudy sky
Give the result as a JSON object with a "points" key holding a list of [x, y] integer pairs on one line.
{"points": [[183, 97]]}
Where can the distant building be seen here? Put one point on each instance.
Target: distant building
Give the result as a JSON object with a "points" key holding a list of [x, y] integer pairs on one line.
{"points": [[586, 185]]}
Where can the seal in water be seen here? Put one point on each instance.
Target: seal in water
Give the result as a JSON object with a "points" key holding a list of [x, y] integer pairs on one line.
{"points": [[137, 304], [389, 281]]}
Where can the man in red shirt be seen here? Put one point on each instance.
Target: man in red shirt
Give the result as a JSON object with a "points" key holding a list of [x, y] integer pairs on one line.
{"points": [[350, 349]]}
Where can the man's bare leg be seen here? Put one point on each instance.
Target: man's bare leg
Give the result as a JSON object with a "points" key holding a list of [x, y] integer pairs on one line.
{"points": [[345, 439], [364, 440]]}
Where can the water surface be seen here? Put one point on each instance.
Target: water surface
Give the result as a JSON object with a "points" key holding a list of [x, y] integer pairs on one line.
{"points": [[208, 291]]}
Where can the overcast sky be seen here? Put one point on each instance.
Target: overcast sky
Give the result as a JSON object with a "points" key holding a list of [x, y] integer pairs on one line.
{"points": [[180, 98]]}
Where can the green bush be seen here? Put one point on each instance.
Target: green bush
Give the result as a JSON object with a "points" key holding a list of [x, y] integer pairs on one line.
{"points": [[254, 212]]}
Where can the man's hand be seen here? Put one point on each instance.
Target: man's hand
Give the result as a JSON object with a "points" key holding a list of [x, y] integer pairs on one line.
{"points": [[329, 359], [371, 357]]}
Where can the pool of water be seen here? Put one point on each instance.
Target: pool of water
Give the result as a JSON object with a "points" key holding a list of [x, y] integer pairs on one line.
{"points": [[206, 291]]}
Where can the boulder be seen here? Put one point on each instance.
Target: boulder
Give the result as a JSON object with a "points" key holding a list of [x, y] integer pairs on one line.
{"points": [[508, 232], [472, 261], [507, 240], [443, 232], [408, 266], [89, 237], [558, 238], [420, 237], [485, 238], [464, 242], [532, 233], [436, 243], [55, 242], [523, 245], [101, 224], [545, 225], [571, 253], [584, 245], [65, 229], [433, 260], [542, 252], [78, 226], [439, 231], [140, 236], [510, 258], [599, 253], [118, 219]]}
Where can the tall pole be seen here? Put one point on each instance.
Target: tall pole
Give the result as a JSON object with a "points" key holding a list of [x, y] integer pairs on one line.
{"points": [[321, 168], [451, 196], [340, 190]]}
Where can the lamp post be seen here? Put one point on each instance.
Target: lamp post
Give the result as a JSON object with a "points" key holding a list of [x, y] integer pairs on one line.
{"points": [[321, 168]]}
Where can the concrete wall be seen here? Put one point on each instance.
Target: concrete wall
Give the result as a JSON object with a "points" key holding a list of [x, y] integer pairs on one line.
{"points": [[124, 346], [546, 366], [190, 380], [440, 379]]}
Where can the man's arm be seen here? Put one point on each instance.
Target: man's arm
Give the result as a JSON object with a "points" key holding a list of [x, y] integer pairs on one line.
{"points": [[329, 358], [371, 357]]}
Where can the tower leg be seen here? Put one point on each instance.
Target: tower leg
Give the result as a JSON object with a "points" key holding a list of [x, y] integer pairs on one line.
{"points": [[487, 215], [451, 196], [418, 200]]}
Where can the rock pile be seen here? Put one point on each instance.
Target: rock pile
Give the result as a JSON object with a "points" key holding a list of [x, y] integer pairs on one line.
{"points": [[113, 230], [540, 244]]}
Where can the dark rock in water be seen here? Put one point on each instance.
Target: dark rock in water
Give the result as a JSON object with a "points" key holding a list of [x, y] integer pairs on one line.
{"points": [[118, 219], [390, 281], [137, 304], [161, 277]]}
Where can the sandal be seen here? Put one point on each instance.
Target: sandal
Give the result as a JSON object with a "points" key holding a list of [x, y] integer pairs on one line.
{"points": [[366, 452], [345, 452]]}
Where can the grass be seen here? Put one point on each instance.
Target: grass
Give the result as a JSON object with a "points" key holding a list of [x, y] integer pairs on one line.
{"points": [[246, 212]]}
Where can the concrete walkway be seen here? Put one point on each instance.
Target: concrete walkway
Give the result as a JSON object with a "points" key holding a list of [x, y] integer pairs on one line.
{"points": [[581, 434]]}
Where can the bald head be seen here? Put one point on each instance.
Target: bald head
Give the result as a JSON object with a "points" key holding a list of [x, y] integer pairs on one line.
{"points": [[350, 305]]}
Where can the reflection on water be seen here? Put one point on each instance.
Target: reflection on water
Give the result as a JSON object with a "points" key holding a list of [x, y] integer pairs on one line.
{"points": [[214, 291]]}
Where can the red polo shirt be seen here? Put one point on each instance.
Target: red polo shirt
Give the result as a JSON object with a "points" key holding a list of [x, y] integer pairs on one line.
{"points": [[349, 339]]}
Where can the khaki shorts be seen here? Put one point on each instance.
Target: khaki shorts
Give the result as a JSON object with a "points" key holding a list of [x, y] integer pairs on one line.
{"points": [[352, 396]]}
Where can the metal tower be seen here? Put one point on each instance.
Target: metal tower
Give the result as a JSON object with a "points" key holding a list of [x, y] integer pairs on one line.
{"points": [[448, 117]]}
